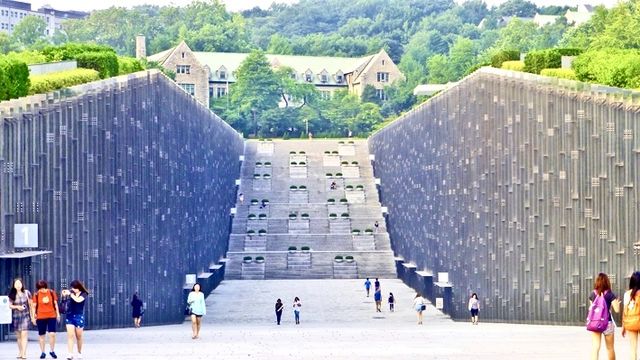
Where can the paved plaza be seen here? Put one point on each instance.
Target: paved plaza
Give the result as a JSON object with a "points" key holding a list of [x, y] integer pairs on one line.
{"points": [[337, 322]]}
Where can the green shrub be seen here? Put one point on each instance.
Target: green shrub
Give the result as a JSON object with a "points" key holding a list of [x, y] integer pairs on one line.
{"points": [[44, 83], [559, 73], [72, 50], [513, 65], [14, 78], [128, 65], [613, 67], [106, 63], [535, 61], [504, 55], [28, 57]]}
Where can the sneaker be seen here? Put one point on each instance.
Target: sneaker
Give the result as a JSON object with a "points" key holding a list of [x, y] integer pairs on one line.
{"points": [[70, 357], [43, 355], [53, 354], [79, 357]]}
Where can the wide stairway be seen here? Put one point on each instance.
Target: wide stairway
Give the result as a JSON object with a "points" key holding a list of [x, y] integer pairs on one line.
{"points": [[293, 224]]}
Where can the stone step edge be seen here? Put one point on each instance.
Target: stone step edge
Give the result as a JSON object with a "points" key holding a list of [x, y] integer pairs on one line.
{"points": [[313, 251]]}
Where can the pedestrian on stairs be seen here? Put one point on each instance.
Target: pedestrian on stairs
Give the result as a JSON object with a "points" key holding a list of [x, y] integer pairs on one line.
{"points": [[241, 198], [197, 308], [419, 306], [376, 284], [296, 309], [279, 307], [377, 225], [392, 302], [474, 308], [367, 286]]}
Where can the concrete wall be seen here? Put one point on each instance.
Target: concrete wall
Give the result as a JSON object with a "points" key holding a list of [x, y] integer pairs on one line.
{"points": [[522, 187], [130, 180], [46, 68]]}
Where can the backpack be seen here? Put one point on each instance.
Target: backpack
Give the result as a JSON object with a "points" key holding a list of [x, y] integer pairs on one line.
{"points": [[63, 307], [631, 313], [598, 316], [50, 292]]}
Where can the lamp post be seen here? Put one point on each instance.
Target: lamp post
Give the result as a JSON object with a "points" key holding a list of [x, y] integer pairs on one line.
{"points": [[306, 122], [255, 123]]}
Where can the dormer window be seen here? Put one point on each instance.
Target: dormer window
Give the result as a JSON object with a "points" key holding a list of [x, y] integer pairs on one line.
{"points": [[293, 75], [308, 77], [339, 79], [223, 75], [324, 78]]}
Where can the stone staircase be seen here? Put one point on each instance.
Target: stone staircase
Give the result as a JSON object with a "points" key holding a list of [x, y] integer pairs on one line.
{"points": [[309, 211]]}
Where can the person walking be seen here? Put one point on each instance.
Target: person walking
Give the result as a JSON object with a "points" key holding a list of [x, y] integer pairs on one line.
{"points": [[279, 308], [376, 284], [367, 286], [392, 302], [47, 316], [136, 312], [22, 307], [602, 288], [74, 319], [631, 313], [197, 309], [376, 225], [377, 296], [474, 308], [241, 198], [296, 309], [419, 306]]}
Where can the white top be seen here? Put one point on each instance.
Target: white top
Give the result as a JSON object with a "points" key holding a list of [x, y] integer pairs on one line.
{"points": [[474, 303], [297, 305], [418, 301]]}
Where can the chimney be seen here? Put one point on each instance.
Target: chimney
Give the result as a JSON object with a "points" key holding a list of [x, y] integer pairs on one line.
{"points": [[141, 47]]}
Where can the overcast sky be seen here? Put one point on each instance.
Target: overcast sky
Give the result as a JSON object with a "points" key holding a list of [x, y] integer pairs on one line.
{"points": [[235, 5]]}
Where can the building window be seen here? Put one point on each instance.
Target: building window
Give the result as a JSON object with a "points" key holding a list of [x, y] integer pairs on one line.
{"points": [[339, 79], [190, 88], [383, 62], [324, 78], [382, 76], [221, 91], [223, 74], [381, 94], [183, 54], [325, 94], [308, 77], [183, 69], [293, 76], [211, 88]]}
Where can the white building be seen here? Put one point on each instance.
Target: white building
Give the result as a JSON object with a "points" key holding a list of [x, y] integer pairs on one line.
{"points": [[12, 12]]}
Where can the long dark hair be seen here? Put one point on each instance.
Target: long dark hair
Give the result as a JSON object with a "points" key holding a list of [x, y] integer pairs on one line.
{"points": [[14, 292], [475, 295], [135, 297], [77, 284], [602, 283], [194, 287], [296, 299], [634, 284]]}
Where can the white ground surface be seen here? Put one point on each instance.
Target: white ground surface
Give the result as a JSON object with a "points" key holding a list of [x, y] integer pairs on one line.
{"points": [[337, 322]]}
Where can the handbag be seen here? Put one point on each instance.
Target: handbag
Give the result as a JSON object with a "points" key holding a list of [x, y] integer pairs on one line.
{"points": [[187, 310], [423, 307]]}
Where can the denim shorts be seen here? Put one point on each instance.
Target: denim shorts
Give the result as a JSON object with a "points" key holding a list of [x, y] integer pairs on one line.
{"points": [[76, 320]]}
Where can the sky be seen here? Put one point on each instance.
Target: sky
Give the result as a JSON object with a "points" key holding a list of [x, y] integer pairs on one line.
{"points": [[237, 5]]}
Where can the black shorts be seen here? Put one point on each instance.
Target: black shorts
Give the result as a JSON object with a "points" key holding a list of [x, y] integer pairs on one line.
{"points": [[474, 312], [46, 325]]}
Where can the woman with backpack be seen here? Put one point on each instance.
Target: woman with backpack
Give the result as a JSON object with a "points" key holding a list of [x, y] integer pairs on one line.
{"points": [[47, 316], [75, 298], [599, 320], [631, 313]]}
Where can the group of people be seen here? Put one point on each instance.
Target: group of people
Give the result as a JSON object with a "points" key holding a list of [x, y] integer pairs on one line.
{"points": [[297, 305], [600, 320], [43, 310], [377, 295]]}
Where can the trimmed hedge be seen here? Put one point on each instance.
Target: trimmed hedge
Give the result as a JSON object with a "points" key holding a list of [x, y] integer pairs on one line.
{"points": [[559, 73], [106, 63], [513, 65], [128, 65], [72, 50], [535, 61], [58, 80], [504, 55], [29, 57], [613, 67], [14, 78]]}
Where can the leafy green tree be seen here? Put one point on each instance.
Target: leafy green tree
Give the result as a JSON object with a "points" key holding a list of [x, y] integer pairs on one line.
{"points": [[519, 8], [29, 31], [366, 119], [256, 89], [369, 95], [292, 91], [518, 35], [6, 43], [279, 45], [439, 70]]}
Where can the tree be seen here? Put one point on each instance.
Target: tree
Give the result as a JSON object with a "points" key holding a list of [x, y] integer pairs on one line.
{"points": [[29, 31], [462, 56], [256, 89], [518, 8], [369, 95], [439, 71], [292, 91], [279, 45], [518, 35], [6, 43]]}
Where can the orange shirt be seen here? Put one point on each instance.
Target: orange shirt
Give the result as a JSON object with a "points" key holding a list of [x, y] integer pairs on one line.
{"points": [[45, 300]]}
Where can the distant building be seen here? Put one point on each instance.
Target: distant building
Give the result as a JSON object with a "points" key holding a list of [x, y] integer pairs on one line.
{"points": [[580, 16], [208, 75], [542, 20], [12, 12]]}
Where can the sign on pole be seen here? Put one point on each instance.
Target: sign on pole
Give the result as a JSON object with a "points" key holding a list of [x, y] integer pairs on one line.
{"points": [[25, 235]]}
